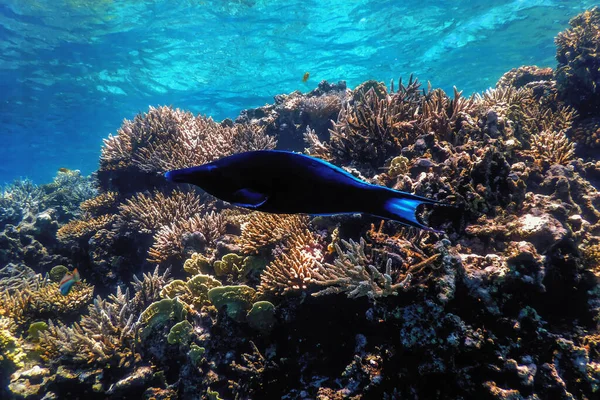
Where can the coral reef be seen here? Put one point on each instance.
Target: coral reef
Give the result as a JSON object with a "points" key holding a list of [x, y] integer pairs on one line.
{"points": [[501, 301], [577, 73]]}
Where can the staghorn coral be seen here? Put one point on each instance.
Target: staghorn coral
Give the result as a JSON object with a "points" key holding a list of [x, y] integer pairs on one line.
{"points": [[552, 147], [263, 230], [46, 300], [41, 298], [352, 273], [445, 116], [374, 128], [149, 213], [502, 110], [82, 228], [68, 190], [323, 107], [577, 53], [169, 240], [99, 204], [164, 138], [371, 129], [292, 270], [106, 335], [297, 263], [148, 289], [19, 198]]}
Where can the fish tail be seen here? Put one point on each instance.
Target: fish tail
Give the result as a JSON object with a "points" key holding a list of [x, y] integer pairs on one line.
{"points": [[402, 207], [76, 276]]}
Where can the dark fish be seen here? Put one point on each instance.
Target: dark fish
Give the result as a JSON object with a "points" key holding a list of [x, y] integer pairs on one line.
{"points": [[305, 76], [284, 182]]}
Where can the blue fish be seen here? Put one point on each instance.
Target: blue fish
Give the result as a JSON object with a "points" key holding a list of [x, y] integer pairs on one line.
{"points": [[284, 182], [68, 281]]}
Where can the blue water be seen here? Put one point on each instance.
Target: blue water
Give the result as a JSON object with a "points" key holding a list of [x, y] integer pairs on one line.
{"points": [[71, 70]]}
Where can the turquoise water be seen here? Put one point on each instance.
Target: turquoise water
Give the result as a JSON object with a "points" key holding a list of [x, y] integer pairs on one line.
{"points": [[71, 70]]}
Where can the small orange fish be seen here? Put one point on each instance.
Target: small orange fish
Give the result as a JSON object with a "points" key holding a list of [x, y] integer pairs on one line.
{"points": [[64, 170], [68, 281], [305, 76]]}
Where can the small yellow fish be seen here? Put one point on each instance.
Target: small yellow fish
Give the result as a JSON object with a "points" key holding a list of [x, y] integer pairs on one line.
{"points": [[64, 170], [305, 76]]}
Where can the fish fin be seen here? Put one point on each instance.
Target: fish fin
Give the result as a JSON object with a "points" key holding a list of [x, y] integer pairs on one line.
{"points": [[403, 208], [66, 287], [249, 198]]}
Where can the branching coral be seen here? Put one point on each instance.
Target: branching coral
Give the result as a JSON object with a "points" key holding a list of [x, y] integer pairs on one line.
{"points": [[21, 195], [41, 298], [100, 204], [263, 230], [444, 116], [322, 107], [166, 138], [552, 147], [577, 53], [149, 213], [106, 335], [69, 188], [80, 228], [46, 300], [352, 273], [169, 240]]}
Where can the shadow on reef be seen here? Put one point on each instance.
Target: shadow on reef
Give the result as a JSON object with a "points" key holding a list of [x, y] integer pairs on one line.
{"points": [[186, 297]]}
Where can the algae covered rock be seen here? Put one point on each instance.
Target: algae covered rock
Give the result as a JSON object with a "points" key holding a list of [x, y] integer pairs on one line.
{"points": [[57, 273], [238, 300], [196, 264], [196, 354], [160, 312], [180, 333], [262, 316], [35, 329]]}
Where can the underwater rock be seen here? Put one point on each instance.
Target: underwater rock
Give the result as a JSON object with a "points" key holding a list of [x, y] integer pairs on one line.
{"points": [[289, 117], [136, 382], [519, 77], [31, 383]]}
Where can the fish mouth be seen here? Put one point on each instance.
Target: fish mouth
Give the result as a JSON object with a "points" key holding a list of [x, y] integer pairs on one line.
{"points": [[177, 176]]}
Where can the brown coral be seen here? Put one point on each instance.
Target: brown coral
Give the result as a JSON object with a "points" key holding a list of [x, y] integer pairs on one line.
{"points": [[552, 147], [354, 274], [80, 228], [164, 138], [519, 77], [587, 132], [169, 240], [263, 230], [100, 204], [107, 334], [149, 213]]}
